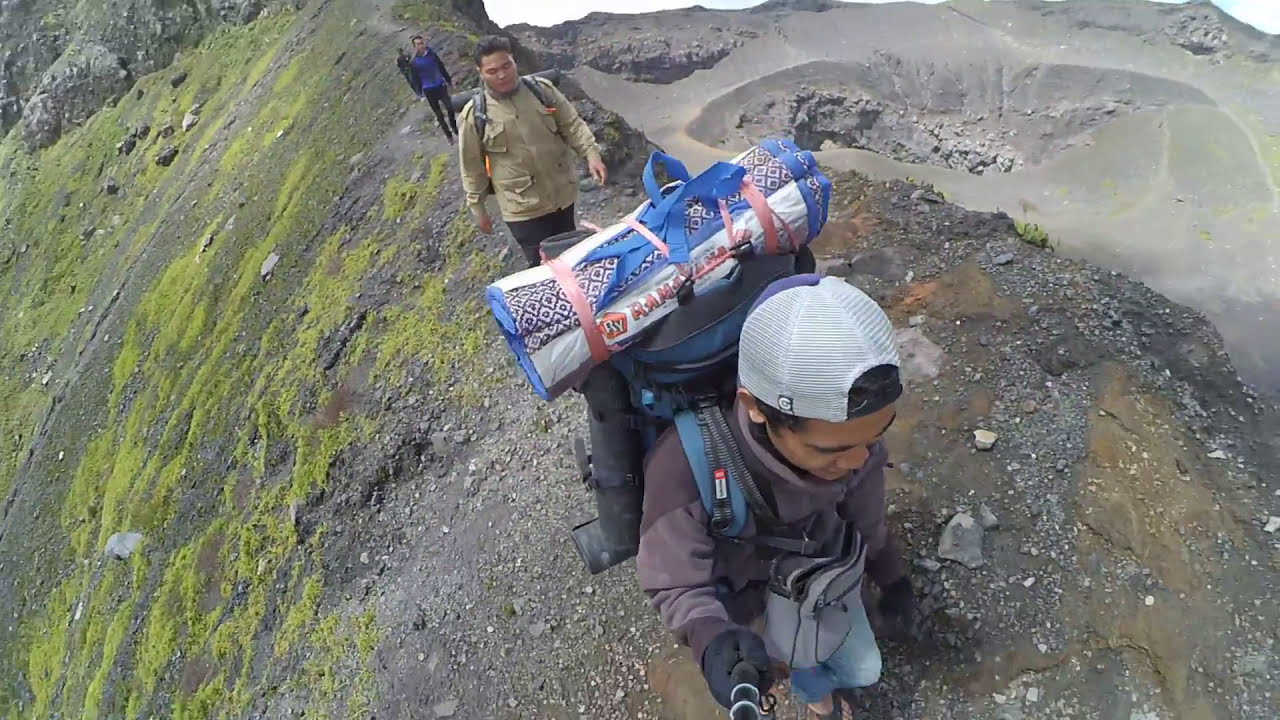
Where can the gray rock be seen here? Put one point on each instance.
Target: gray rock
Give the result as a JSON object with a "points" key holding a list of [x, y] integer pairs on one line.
{"points": [[167, 155], [984, 439], [189, 121], [110, 187], [929, 564], [889, 263], [987, 518], [239, 12], [962, 541], [1199, 32], [445, 709], [122, 544], [269, 265], [645, 57], [440, 443], [177, 80], [1003, 259], [851, 119], [921, 358], [78, 84]]}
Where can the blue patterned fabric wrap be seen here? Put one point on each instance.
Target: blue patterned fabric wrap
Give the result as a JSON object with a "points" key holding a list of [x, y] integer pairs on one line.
{"points": [[532, 315]]}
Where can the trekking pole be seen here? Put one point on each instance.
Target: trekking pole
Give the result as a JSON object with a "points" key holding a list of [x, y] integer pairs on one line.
{"points": [[744, 699]]}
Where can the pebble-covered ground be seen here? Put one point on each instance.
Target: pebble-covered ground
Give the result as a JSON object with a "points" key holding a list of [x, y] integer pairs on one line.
{"points": [[1105, 557]]}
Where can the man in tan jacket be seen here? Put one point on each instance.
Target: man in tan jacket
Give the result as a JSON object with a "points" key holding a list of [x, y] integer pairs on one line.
{"points": [[529, 127]]}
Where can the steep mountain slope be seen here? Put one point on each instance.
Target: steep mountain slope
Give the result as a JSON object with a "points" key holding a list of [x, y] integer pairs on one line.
{"points": [[196, 283], [62, 61], [240, 316]]}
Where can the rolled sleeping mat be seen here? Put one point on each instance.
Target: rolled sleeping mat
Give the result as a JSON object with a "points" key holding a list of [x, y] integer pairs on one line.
{"points": [[599, 295], [460, 100]]}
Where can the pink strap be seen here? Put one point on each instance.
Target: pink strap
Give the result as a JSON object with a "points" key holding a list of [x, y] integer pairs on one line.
{"points": [[578, 300], [735, 236], [648, 235], [590, 226], [769, 220]]}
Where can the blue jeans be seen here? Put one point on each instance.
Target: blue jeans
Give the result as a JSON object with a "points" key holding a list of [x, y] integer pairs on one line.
{"points": [[855, 664]]}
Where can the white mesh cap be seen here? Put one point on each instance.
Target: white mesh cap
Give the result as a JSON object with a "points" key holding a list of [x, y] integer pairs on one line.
{"points": [[807, 340]]}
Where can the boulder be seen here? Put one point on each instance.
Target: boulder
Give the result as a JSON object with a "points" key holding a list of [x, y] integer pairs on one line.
{"points": [[167, 155], [84, 79]]}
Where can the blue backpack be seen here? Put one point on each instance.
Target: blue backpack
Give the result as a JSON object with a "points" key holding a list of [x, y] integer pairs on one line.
{"points": [[682, 371]]}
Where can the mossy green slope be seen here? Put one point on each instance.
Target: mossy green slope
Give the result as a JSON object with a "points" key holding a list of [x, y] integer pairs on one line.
{"points": [[154, 381]]}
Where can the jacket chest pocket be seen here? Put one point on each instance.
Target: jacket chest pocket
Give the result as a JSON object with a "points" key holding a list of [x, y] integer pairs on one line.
{"points": [[549, 121], [495, 137]]}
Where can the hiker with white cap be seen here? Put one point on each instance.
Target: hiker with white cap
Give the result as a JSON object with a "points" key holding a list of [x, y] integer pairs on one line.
{"points": [[757, 556]]}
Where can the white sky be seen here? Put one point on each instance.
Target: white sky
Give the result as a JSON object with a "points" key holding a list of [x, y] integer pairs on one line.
{"points": [[1263, 14]]}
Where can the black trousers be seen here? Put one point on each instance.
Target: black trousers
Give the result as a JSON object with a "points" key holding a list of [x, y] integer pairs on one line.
{"points": [[439, 99], [529, 234]]}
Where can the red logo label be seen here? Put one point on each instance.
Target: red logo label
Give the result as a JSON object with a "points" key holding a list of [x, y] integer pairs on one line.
{"points": [[613, 325]]}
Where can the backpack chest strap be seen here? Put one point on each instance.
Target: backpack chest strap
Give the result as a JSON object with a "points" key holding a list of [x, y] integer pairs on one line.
{"points": [[728, 490]]}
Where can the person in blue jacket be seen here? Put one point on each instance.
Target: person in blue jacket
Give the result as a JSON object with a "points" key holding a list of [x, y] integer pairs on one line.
{"points": [[435, 80]]}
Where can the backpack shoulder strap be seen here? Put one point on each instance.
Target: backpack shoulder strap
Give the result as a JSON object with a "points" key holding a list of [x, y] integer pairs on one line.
{"points": [[481, 102], [728, 492], [535, 87], [479, 106], [721, 498]]}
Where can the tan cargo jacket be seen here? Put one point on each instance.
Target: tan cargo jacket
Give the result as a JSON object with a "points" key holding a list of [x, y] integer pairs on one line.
{"points": [[528, 148]]}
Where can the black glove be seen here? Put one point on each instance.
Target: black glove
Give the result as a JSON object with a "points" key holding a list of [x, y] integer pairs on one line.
{"points": [[898, 605], [724, 652]]}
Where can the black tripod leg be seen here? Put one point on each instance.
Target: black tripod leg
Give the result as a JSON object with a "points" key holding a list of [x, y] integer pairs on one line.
{"points": [[617, 457]]}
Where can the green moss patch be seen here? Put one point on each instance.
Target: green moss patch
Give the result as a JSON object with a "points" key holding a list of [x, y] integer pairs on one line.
{"points": [[1032, 234], [212, 432]]}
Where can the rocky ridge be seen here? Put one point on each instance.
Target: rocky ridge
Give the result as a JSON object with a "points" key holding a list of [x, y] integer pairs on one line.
{"points": [[61, 64], [667, 46], [1199, 27], [658, 48]]}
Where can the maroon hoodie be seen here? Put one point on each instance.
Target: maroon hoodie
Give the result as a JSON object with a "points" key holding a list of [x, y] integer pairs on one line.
{"points": [[680, 564]]}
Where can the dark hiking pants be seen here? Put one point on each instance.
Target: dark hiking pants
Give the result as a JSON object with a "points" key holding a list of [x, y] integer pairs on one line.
{"points": [[439, 99], [529, 234]]}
